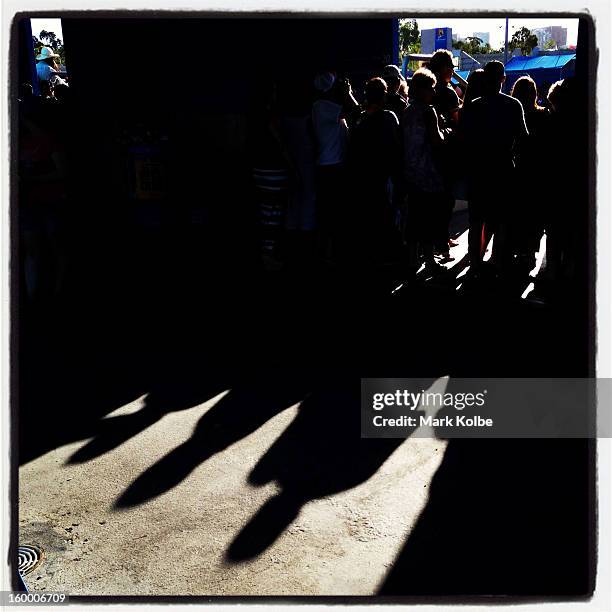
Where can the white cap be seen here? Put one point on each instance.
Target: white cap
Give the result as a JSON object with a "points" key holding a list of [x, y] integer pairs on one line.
{"points": [[324, 81]]}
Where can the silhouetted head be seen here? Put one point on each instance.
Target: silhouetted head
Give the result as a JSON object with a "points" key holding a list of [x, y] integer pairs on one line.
{"points": [[526, 92], [393, 77], [324, 81], [562, 96], [495, 75], [476, 86], [331, 86], [422, 85], [62, 92], [441, 64], [375, 92]]}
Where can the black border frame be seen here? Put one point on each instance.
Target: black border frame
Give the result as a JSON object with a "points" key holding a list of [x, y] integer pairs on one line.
{"points": [[14, 304]]}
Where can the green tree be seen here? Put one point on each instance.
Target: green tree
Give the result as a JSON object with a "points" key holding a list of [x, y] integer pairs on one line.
{"points": [[471, 45], [409, 39], [49, 39], [460, 45], [550, 44], [524, 40]]}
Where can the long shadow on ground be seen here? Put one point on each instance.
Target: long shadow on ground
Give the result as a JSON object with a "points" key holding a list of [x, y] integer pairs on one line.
{"points": [[239, 413], [321, 453]]}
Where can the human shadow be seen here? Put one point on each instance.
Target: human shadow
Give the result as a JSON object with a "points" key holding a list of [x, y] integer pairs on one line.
{"points": [[164, 398], [63, 397], [321, 453], [243, 410]]}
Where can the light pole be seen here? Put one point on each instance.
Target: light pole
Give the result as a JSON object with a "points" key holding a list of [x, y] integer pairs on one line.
{"points": [[506, 44]]}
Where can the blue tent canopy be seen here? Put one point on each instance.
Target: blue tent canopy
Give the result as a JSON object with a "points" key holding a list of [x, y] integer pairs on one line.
{"points": [[526, 64], [543, 69]]}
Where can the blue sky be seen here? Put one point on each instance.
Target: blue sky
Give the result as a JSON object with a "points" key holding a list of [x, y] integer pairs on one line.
{"points": [[50, 25]]}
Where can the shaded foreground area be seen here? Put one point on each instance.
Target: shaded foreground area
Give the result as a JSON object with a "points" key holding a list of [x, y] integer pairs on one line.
{"points": [[501, 517]]}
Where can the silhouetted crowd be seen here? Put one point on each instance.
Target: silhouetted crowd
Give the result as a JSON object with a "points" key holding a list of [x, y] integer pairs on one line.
{"points": [[42, 188], [361, 184], [376, 182]]}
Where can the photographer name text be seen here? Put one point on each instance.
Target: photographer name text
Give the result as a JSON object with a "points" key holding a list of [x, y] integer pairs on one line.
{"points": [[424, 420]]}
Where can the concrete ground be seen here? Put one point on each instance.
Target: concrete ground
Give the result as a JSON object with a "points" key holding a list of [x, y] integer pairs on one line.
{"points": [[212, 528], [263, 486], [176, 543]]}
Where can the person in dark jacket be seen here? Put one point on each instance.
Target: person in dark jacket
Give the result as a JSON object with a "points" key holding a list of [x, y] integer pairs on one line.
{"points": [[374, 157], [494, 123], [527, 222], [397, 91]]}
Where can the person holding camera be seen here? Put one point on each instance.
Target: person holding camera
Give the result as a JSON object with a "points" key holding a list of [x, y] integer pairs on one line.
{"points": [[332, 112]]}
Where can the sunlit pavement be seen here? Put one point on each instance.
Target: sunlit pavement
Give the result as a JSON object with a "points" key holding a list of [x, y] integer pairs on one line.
{"points": [[177, 542], [458, 266]]}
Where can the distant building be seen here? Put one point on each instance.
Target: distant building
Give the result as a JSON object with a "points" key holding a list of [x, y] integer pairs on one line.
{"points": [[543, 36], [548, 33], [484, 36], [559, 35]]}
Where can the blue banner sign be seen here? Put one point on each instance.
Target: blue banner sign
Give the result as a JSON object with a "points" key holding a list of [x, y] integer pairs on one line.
{"points": [[442, 38]]}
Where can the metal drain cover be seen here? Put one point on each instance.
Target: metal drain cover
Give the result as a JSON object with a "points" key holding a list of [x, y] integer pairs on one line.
{"points": [[30, 557]]}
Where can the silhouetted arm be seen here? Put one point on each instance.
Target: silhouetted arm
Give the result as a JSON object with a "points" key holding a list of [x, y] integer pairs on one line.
{"points": [[436, 135]]}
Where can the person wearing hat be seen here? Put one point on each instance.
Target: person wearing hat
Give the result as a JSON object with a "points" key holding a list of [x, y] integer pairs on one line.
{"points": [[397, 98], [334, 105], [46, 65]]}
